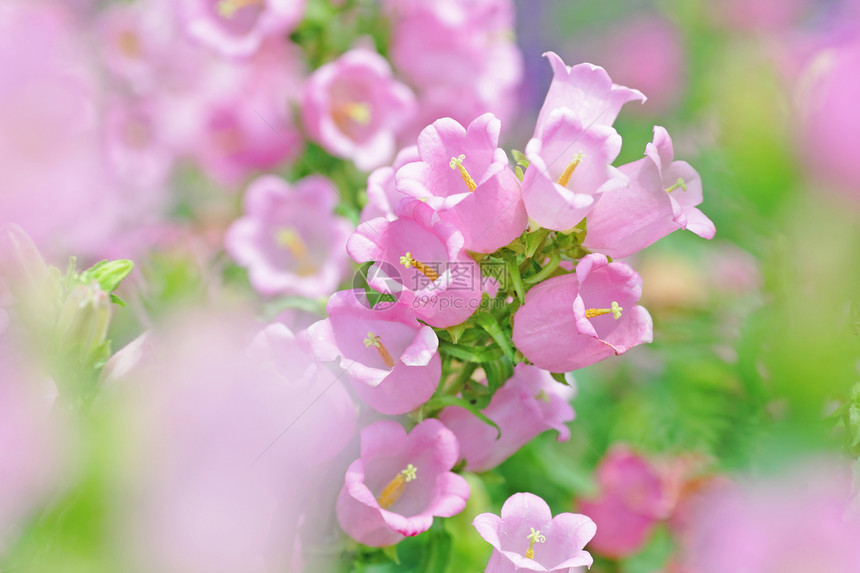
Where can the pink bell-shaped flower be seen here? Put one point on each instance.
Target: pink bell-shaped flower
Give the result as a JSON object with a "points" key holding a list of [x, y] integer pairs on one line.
{"points": [[526, 537], [575, 320], [661, 197], [400, 482], [390, 358], [465, 176], [528, 404]]}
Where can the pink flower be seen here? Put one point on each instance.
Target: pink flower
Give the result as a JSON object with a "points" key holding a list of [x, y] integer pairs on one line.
{"points": [[354, 108], [648, 51], [798, 522], [661, 197], [459, 55], [422, 261], [574, 320], [400, 483], [830, 134], [51, 155], [526, 537], [390, 358], [242, 437], [238, 27], [464, 175], [631, 501], [245, 124], [288, 239], [382, 194], [586, 90], [570, 168], [528, 404], [34, 444]]}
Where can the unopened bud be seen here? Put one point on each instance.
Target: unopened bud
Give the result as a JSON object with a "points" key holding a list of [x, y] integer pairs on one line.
{"points": [[83, 322]]}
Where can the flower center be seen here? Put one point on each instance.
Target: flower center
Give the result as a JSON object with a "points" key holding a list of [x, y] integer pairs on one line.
{"points": [[409, 262], [533, 537], [395, 487], [376, 342], [457, 163], [679, 183], [565, 176], [542, 395], [290, 239], [615, 310], [129, 44], [228, 8]]}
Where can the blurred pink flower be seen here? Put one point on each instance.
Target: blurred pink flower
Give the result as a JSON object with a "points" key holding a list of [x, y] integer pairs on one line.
{"points": [[244, 121], [222, 445], [569, 170], [528, 404], [422, 261], [400, 483], [390, 358], [571, 321], [648, 52], [54, 175], [354, 108], [34, 444], [830, 126], [526, 537], [239, 27], [459, 55], [586, 90], [797, 522], [661, 197], [465, 177], [759, 15], [289, 239], [382, 193], [632, 499]]}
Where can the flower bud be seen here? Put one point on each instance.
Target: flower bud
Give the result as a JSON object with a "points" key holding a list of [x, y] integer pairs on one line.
{"points": [[83, 322]]}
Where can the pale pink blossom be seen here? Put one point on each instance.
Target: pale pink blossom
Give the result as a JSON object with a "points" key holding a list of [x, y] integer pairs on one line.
{"points": [[528, 404], [355, 108], [465, 176], [288, 238], [526, 537], [400, 482], [661, 196], [382, 193]]}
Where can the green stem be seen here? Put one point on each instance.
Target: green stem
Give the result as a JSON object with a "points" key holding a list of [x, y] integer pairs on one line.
{"points": [[554, 260]]}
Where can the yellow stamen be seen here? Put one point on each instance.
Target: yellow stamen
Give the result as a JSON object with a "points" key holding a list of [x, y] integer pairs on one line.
{"points": [[358, 112], [565, 176], [374, 340], [533, 537], [457, 163], [291, 240], [409, 262], [228, 8], [679, 183], [615, 310], [542, 395], [394, 489]]}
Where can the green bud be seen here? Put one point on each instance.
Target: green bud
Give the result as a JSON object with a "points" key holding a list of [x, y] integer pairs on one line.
{"points": [[82, 325], [108, 274]]}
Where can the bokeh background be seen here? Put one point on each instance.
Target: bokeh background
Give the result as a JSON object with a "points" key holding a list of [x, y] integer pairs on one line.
{"points": [[756, 333]]}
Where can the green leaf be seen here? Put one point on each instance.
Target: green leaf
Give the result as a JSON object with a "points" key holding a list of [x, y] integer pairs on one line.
{"points": [[391, 553], [489, 323], [471, 354], [514, 273], [439, 549], [534, 241], [436, 403], [498, 373], [457, 331], [854, 425], [118, 301], [520, 158]]}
